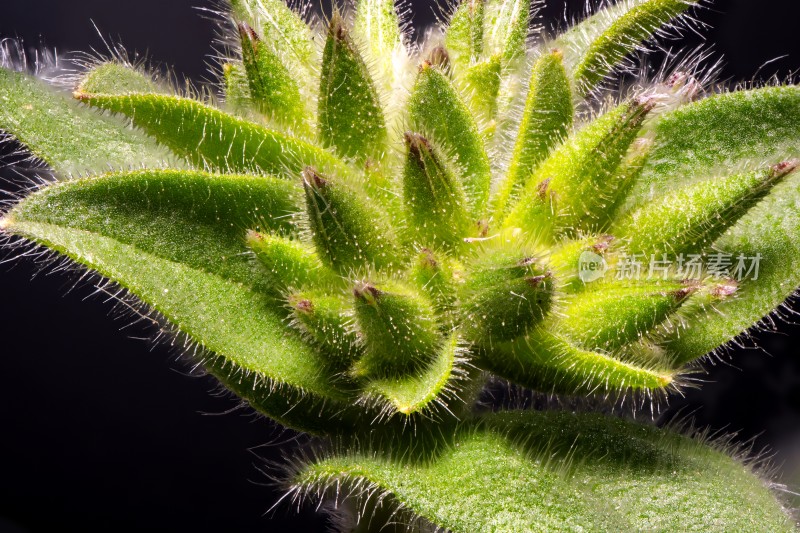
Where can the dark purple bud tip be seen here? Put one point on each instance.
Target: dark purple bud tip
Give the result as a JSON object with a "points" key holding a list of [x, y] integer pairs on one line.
{"points": [[724, 290], [536, 281], [337, 28], [367, 293], [602, 244], [304, 306], [784, 168], [246, 32], [427, 260], [416, 143], [527, 261], [681, 294], [312, 178], [543, 188]]}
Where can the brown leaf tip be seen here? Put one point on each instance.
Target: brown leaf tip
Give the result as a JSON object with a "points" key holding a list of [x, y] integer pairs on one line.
{"points": [[312, 178], [367, 293]]}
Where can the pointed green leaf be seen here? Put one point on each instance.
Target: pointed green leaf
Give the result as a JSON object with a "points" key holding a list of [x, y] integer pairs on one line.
{"points": [[505, 294], [597, 45], [210, 138], [381, 30], [328, 321], [350, 115], [481, 84], [580, 181], [555, 471], [550, 363], [427, 390], [174, 240], [290, 263], [348, 229], [617, 314], [464, 37], [506, 23], [690, 219], [398, 330], [67, 136], [273, 88], [434, 200], [437, 112], [545, 123], [729, 132], [118, 78], [762, 249], [283, 30]]}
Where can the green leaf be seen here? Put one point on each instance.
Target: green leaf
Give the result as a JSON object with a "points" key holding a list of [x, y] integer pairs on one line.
{"points": [[617, 314], [690, 219], [237, 88], [347, 228], [350, 115], [506, 34], [118, 78], [379, 28], [327, 319], [398, 329], [556, 471], [290, 263], [283, 30], [434, 200], [272, 87], [545, 123], [481, 85], [550, 363], [210, 138], [67, 136], [464, 37], [725, 133], [426, 390], [768, 232], [597, 45], [437, 112], [580, 182], [176, 241], [505, 294]]}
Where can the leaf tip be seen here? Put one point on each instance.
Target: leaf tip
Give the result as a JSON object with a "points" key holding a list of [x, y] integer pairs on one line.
{"points": [[784, 168], [5, 223]]}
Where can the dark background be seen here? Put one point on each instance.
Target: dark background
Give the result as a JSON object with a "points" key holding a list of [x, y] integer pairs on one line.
{"points": [[98, 433]]}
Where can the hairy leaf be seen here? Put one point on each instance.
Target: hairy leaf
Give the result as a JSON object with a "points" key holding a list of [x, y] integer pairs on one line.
{"points": [[545, 123], [176, 241], [465, 34], [210, 138], [557, 471], [272, 87], [595, 46], [67, 136], [723, 134], [350, 115], [437, 112], [284, 31]]}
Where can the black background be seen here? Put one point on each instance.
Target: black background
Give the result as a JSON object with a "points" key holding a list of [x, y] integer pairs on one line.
{"points": [[99, 433]]}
